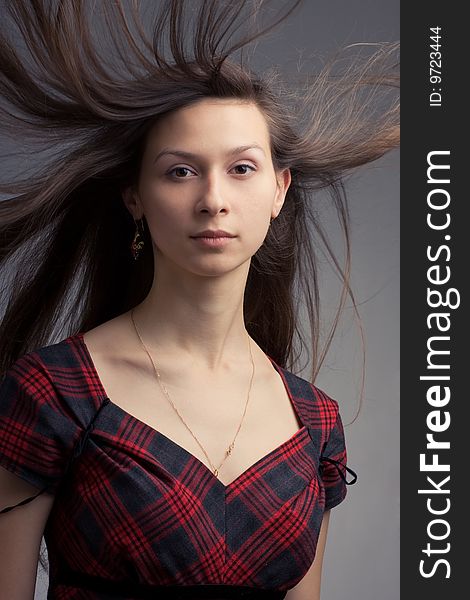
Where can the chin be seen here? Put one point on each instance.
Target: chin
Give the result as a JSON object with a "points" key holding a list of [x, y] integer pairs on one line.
{"points": [[217, 266], [215, 271]]}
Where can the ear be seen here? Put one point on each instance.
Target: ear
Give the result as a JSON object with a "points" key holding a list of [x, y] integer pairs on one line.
{"points": [[283, 180], [131, 199]]}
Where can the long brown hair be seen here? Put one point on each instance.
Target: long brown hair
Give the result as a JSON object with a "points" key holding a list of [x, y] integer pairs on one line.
{"points": [[65, 232]]}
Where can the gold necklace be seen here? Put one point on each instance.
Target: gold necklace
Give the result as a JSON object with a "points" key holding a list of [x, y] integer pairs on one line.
{"points": [[230, 448]]}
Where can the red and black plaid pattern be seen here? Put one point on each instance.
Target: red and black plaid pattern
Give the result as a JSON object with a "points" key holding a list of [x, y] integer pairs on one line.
{"points": [[134, 506]]}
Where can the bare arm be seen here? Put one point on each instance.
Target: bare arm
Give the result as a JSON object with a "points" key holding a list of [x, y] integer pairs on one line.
{"points": [[309, 586], [21, 530]]}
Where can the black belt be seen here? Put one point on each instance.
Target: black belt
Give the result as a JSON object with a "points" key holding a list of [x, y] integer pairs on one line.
{"points": [[121, 590]]}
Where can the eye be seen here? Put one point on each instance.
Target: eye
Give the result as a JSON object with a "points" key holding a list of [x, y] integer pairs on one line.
{"points": [[244, 165], [180, 172], [179, 169]]}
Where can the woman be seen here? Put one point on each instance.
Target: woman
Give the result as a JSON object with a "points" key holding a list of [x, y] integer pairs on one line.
{"points": [[168, 446]]}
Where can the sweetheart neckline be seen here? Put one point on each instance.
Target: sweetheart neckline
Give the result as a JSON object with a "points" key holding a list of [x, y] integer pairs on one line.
{"points": [[244, 474]]}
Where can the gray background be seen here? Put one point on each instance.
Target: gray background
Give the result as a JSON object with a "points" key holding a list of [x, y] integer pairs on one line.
{"points": [[362, 553]]}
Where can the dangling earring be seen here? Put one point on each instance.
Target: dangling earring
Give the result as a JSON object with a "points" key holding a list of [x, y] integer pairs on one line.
{"points": [[138, 241]]}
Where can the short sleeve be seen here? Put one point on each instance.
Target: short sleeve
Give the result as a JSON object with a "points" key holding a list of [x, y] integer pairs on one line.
{"points": [[333, 466], [37, 437]]}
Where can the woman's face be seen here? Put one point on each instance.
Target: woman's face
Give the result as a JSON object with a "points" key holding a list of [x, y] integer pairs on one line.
{"points": [[208, 166]]}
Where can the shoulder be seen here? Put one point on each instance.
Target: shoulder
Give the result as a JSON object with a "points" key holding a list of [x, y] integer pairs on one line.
{"points": [[29, 374], [52, 379], [319, 410], [42, 366], [39, 424]]}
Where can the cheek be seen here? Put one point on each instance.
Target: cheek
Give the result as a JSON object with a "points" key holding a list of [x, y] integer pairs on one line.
{"points": [[254, 225], [258, 206], [165, 222], [164, 214]]}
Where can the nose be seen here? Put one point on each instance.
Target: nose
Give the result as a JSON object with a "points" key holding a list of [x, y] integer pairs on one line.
{"points": [[212, 199]]}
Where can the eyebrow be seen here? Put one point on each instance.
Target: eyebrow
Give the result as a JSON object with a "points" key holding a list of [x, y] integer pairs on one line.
{"points": [[192, 156]]}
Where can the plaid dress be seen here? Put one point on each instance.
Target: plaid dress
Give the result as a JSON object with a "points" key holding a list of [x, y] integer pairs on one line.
{"points": [[136, 515]]}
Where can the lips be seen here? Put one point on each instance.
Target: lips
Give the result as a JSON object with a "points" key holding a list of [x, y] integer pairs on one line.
{"points": [[213, 239], [210, 233]]}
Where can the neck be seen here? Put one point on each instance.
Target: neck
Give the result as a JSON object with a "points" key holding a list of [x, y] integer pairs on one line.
{"points": [[196, 317]]}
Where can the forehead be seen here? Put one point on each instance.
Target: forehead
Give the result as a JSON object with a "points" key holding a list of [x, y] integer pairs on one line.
{"points": [[212, 120]]}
